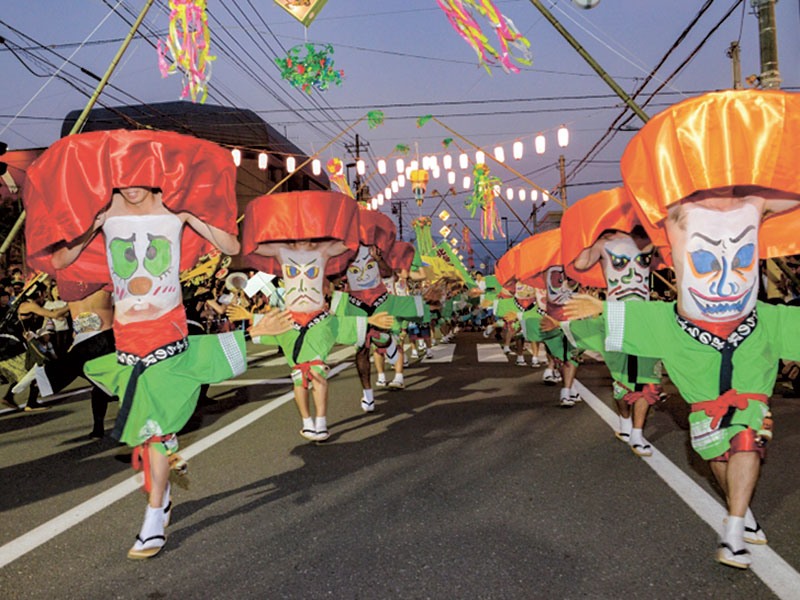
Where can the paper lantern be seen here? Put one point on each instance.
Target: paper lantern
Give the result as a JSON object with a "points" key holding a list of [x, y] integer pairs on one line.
{"points": [[419, 184], [304, 11]]}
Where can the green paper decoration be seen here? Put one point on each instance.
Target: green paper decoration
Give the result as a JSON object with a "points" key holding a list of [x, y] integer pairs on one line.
{"points": [[312, 71]]}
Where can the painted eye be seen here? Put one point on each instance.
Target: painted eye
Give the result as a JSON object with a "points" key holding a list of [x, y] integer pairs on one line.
{"points": [[704, 262], [312, 272], [353, 270], [292, 271], [744, 257], [123, 258], [158, 256], [372, 265], [645, 259], [619, 262]]}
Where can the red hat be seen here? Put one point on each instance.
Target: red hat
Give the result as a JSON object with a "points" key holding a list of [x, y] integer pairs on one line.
{"points": [[376, 229], [73, 180], [742, 141], [400, 256], [301, 215], [537, 254]]}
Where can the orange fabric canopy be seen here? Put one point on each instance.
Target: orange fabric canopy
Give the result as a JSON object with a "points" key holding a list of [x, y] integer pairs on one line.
{"points": [[747, 141], [72, 182], [537, 254], [585, 221], [301, 215]]}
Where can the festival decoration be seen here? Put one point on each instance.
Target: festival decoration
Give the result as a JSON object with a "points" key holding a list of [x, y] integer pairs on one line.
{"points": [[304, 11], [464, 22], [403, 149], [419, 184], [483, 193], [586, 4], [188, 44], [312, 71], [446, 142], [423, 119], [375, 118], [422, 229], [335, 168], [467, 245]]}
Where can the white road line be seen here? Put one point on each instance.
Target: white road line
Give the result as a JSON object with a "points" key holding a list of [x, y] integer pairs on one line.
{"points": [[238, 382], [443, 353], [775, 572], [491, 353], [47, 531]]}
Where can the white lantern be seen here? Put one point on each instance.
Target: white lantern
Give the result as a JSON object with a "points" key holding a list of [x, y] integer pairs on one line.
{"points": [[291, 164], [408, 172], [374, 204], [509, 193], [435, 171], [539, 143], [380, 199], [466, 182], [316, 166], [262, 161], [463, 160], [480, 157], [586, 4], [395, 186], [387, 193], [426, 162], [447, 162], [401, 180], [382, 166], [522, 195], [414, 165], [451, 177], [500, 154], [361, 166], [534, 195], [563, 136], [400, 165], [237, 156], [517, 149]]}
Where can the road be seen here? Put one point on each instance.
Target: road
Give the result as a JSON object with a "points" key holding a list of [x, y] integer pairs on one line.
{"points": [[470, 483]]}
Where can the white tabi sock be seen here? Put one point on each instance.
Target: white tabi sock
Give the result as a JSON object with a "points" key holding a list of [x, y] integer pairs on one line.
{"points": [[733, 532], [308, 424], [321, 424], [381, 377], [398, 377], [636, 437], [626, 425], [368, 396]]}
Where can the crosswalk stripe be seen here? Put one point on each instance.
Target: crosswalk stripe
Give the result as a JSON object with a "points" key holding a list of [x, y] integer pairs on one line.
{"points": [[491, 353], [443, 353]]}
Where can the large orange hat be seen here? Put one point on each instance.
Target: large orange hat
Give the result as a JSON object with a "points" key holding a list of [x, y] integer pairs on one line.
{"points": [[73, 180], [507, 268], [744, 141], [303, 215], [400, 256], [585, 221], [536, 254], [376, 229]]}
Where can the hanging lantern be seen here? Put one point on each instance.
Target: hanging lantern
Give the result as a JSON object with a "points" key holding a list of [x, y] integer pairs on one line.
{"points": [[447, 162], [539, 143], [444, 231], [466, 182], [480, 157], [534, 195], [426, 162], [444, 215], [382, 166], [316, 166], [291, 164], [563, 136], [463, 160], [374, 203], [361, 166], [454, 241], [500, 154], [451, 177], [387, 193], [395, 186], [305, 11], [413, 165], [435, 171], [262, 161], [400, 165], [419, 183], [517, 149], [380, 199], [408, 172], [237, 156], [522, 195], [509, 193], [401, 180]]}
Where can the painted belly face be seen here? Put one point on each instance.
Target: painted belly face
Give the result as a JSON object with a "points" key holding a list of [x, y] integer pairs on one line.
{"points": [[626, 267], [303, 279], [144, 260], [718, 252], [559, 287], [363, 273]]}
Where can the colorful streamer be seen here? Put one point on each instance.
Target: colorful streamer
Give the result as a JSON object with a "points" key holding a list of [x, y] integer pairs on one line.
{"points": [[482, 197], [312, 71], [461, 18], [188, 44], [335, 168], [422, 229], [467, 245]]}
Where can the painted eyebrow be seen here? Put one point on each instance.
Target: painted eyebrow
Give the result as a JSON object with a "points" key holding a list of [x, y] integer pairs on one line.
{"points": [[708, 239], [741, 235], [301, 265]]}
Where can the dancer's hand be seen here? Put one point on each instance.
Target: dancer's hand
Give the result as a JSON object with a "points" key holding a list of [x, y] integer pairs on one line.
{"points": [[275, 322], [548, 323], [239, 313], [382, 320], [582, 306], [510, 317]]}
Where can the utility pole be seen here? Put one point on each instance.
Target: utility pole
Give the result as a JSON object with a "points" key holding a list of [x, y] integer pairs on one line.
{"points": [[355, 149], [397, 209], [736, 63], [767, 34], [562, 187]]}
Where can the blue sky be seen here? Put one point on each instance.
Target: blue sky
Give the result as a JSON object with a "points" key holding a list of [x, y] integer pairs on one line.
{"points": [[404, 58]]}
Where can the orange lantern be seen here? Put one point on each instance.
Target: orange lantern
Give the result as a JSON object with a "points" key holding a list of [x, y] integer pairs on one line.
{"points": [[419, 183]]}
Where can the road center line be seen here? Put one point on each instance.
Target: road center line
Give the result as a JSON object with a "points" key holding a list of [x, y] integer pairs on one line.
{"points": [[44, 533], [775, 572]]}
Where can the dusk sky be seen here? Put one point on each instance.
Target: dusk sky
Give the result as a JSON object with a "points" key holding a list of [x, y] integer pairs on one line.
{"points": [[403, 58]]}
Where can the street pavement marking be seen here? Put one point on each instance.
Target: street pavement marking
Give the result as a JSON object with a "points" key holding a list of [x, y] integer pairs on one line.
{"points": [[491, 353], [47, 531], [775, 572], [239, 382], [442, 353]]}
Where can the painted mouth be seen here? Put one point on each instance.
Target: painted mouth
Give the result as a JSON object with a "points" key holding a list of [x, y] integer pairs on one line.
{"points": [[720, 308], [622, 293], [139, 312]]}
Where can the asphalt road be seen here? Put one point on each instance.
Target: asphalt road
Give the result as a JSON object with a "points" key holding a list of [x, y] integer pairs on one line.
{"points": [[470, 483]]}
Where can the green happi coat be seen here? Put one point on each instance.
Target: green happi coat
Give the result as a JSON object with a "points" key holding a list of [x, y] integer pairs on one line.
{"points": [[627, 370], [406, 308], [704, 366], [558, 345]]}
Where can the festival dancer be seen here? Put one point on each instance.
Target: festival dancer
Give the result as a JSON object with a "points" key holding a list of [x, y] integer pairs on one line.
{"points": [[368, 295], [304, 236], [716, 184], [607, 248], [539, 264], [131, 209], [92, 314]]}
